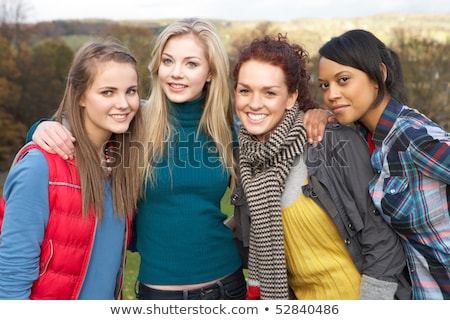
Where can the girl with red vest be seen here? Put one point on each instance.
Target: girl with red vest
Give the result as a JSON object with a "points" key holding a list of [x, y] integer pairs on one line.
{"points": [[65, 222]]}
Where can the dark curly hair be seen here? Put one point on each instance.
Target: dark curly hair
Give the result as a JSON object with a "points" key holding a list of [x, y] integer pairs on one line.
{"points": [[292, 58]]}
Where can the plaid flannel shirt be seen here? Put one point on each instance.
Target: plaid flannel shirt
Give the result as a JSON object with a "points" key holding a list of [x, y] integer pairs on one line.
{"points": [[411, 190]]}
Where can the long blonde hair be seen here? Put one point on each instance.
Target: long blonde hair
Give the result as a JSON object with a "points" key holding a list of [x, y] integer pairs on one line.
{"points": [[126, 176], [217, 118]]}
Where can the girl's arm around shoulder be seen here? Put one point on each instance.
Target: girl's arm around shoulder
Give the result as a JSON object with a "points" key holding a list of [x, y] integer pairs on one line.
{"points": [[53, 137], [25, 218]]}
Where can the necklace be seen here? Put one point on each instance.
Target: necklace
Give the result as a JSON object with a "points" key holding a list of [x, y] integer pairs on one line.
{"points": [[107, 160]]}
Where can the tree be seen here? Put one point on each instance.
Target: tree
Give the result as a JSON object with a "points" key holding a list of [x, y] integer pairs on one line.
{"points": [[44, 80], [12, 137], [140, 42], [12, 15], [426, 69], [10, 89]]}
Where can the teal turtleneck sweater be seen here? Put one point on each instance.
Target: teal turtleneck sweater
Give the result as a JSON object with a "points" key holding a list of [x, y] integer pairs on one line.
{"points": [[181, 236]]}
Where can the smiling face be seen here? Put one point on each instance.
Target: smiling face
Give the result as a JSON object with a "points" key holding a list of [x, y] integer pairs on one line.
{"points": [[262, 98], [184, 68], [348, 93], [111, 101]]}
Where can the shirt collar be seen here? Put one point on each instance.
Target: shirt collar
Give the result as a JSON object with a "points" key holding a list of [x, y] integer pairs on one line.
{"points": [[386, 122]]}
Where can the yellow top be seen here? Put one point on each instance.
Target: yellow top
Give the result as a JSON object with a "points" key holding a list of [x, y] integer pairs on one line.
{"points": [[319, 265]]}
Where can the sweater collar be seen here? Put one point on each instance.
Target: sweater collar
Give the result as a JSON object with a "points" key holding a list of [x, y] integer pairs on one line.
{"points": [[188, 112]]}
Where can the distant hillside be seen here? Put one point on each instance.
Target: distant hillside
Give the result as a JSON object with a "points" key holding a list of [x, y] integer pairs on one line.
{"points": [[311, 32]]}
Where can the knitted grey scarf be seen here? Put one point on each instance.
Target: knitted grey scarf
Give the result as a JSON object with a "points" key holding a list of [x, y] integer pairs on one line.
{"points": [[264, 167]]}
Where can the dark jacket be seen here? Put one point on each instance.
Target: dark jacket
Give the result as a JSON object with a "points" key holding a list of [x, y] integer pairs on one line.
{"points": [[338, 169]]}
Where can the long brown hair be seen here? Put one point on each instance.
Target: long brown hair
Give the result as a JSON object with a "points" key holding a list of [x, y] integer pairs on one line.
{"points": [[126, 176]]}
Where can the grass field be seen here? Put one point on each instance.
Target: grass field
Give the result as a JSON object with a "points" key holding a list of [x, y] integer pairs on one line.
{"points": [[131, 270], [133, 258]]}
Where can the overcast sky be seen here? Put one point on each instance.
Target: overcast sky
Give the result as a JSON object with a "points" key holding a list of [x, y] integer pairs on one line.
{"points": [[274, 10]]}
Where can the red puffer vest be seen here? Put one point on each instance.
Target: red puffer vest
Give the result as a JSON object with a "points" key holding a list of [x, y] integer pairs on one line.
{"points": [[68, 238]]}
